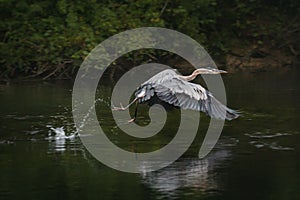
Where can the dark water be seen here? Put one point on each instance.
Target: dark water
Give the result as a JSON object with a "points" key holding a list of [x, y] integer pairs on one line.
{"points": [[257, 156]]}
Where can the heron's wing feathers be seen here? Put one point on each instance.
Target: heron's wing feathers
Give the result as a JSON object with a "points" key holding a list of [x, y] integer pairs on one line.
{"points": [[182, 94]]}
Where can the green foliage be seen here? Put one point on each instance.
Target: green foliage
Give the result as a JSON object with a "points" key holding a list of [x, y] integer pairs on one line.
{"points": [[51, 38]]}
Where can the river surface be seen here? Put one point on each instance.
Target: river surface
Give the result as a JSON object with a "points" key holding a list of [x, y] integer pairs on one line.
{"points": [[256, 157]]}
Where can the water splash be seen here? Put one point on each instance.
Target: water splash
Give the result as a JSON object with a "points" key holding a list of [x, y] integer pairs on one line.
{"points": [[59, 137], [85, 117], [61, 134]]}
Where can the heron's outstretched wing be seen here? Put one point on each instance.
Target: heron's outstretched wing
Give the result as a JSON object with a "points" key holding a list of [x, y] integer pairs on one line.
{"points": [[168, 87]]}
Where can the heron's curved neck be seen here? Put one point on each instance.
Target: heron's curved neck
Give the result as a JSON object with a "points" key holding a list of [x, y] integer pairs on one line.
{"points": [[189, 77]]}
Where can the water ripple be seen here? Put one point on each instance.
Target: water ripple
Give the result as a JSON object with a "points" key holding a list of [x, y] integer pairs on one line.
{"points": [[267, 140], [260, 135]]}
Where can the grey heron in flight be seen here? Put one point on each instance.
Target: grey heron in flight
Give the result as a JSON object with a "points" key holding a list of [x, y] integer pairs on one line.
{"points": [[171, 89]]}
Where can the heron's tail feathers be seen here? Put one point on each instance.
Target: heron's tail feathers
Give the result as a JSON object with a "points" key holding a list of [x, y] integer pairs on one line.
{"points": [[232, 114]]}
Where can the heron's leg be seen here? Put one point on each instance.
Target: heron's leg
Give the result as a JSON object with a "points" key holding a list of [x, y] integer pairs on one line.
{"points": [[135, 113], [124, 108]]}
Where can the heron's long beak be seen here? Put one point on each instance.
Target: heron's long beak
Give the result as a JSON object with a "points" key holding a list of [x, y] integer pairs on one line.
{"points": [[222, 71]]}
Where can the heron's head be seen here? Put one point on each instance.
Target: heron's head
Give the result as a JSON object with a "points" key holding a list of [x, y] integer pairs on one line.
{"points": [[208, 71]]}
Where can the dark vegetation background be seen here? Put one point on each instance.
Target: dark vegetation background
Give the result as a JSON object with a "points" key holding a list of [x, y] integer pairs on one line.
{"points": [[50, 38]]}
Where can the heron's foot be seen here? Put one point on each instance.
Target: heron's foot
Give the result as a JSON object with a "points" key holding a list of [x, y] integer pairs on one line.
{"points": [[131, 120], [118, 108]]}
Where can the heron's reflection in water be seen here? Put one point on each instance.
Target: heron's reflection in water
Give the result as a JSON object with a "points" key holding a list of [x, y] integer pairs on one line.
{"points": [[188, 173]]}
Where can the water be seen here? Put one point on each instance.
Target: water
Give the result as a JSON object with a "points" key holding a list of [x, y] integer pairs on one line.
{"points": [[257, 156]]}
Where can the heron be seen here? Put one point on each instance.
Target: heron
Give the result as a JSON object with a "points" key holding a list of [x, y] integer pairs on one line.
{"points": [[175, 90]]}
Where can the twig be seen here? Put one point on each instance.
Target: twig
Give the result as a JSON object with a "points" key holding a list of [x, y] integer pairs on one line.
{"points": [[163, 9], [52, 73], [292, 50]]}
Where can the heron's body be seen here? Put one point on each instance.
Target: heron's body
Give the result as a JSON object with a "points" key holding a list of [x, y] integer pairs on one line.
{"points": [[170, 88]]}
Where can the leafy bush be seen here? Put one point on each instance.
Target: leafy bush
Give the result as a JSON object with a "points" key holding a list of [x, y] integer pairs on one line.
{"points": [[51, 38]]}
